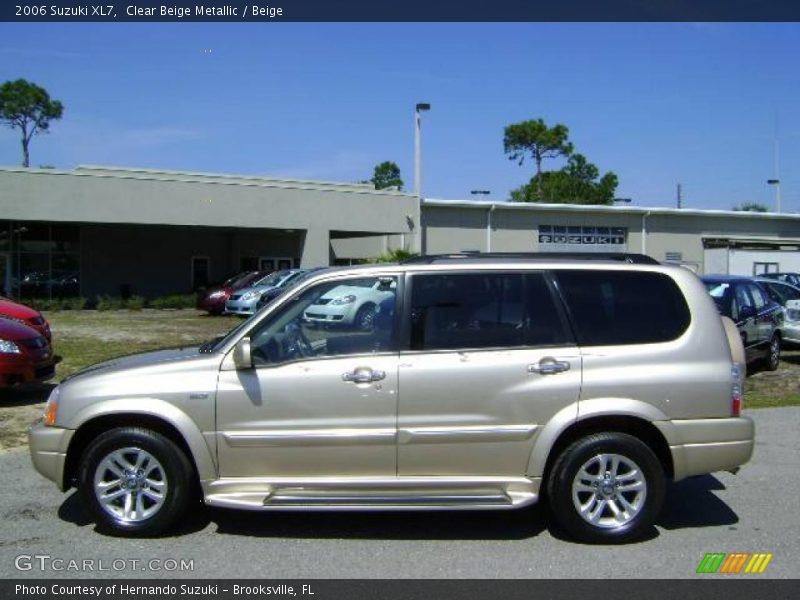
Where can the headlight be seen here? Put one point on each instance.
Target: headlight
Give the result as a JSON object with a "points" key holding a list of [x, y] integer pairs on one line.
{"points": [[345, 299], [251, 295], [8, 347], [51, 408], [216, 294]]}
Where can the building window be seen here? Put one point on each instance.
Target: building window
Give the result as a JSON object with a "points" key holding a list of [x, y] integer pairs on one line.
{"points": [[759, 268], [574, 238], [200, 269], [39, 260]]}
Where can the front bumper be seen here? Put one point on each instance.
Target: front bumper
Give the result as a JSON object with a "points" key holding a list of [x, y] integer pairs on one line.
{"points": [[701, 446], [330, 313], [48, 447], [241, 307], [16, 369], [791, 332]]}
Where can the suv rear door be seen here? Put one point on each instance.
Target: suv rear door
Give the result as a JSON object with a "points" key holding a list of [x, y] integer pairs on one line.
{"points": [[487, 360]]}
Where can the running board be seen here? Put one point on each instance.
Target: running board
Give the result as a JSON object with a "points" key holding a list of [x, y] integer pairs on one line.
{"points": [[413, 493]]}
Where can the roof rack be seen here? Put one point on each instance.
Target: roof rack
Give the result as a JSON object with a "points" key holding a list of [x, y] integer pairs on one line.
{"points": [[639, 259]]}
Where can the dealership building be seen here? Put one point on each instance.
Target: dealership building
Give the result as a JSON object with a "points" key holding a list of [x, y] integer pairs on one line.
{"points": [[106, 230]]}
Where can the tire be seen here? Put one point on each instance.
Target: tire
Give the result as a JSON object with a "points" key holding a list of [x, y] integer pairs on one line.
{"points": [[772, 360], [365, 317], [601, 497], [141, 506]]}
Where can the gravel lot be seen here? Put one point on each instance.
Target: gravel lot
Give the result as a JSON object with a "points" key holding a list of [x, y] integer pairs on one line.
{"points": [[754, 511]]}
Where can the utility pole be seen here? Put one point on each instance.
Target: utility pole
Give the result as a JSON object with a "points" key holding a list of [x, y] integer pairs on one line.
{"points": [[420, 107], [680, 196]]}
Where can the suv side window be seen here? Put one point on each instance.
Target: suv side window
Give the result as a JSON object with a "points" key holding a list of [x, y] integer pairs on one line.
{"points": [[623, 307], [483, 310], [345, 317]]}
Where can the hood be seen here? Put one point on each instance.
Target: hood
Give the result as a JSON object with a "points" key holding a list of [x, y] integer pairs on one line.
{"points": [[16, 310], [255, 288], [13, 331], [144, 359]]}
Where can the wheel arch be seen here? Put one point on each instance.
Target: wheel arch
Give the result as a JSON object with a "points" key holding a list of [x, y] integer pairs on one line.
{"points": [[190, 442], [633, 425]]}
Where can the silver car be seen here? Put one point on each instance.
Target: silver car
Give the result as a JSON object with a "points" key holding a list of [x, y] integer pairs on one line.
{"points": [[483, 383], [244, 301], [788, 296]]}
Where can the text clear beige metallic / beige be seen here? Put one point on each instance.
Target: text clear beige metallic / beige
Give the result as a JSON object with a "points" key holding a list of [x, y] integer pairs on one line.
{"points": [[477, 383]]}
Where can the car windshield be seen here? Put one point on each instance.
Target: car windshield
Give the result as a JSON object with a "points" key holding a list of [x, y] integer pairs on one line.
{"points": [[272, 279]]}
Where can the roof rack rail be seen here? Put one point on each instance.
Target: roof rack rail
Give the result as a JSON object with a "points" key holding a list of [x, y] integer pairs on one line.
{"points": [[639, 259]]}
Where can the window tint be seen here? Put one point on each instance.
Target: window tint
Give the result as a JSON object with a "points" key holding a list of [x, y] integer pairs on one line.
{"points": [[619, 307], [482, 310], [330, 319], [742, 299], [758, 296]]}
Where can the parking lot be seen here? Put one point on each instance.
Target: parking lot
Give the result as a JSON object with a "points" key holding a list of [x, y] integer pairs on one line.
{"points": [[754, 511]]}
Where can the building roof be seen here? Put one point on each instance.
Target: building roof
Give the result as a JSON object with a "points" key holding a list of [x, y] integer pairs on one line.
{"points": [[636, 210]]}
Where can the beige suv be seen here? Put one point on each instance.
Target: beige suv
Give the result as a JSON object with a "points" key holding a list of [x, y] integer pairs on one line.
{"points": [[481, 383]]}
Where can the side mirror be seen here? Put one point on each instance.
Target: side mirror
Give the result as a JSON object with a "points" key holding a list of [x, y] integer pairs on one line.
{"points": [[747, 312], [242, 358]]}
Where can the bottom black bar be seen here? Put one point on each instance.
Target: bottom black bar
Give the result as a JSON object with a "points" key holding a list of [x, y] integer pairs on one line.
{"points": [[702, 588]]}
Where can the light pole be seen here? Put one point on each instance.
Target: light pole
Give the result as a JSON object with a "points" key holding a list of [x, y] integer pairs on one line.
{"points": [[777, 184], [623, 200], [421, 106], [480, 192]]}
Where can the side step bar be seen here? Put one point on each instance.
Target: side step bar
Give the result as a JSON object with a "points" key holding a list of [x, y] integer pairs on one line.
{"points": [[381, 493], [387, 500]]}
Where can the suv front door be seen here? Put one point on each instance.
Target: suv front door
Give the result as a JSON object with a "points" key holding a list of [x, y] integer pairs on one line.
{"points": [[318, 401], [488, 361]]}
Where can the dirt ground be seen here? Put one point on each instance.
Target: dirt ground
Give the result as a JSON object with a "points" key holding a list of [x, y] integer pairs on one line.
{"points": [[83, 338]]}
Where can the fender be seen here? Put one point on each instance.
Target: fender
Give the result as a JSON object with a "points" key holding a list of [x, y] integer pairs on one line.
{"points": [[164, 411], [588, 409]]}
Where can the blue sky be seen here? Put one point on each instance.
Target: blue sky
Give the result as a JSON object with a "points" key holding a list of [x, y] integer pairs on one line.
{"points": [[656, 103]]}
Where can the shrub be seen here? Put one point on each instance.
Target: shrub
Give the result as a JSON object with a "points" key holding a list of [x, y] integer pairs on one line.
{"points": [[397, 255], [107, 302], [78, 303], [135, 303], [174, 301]]}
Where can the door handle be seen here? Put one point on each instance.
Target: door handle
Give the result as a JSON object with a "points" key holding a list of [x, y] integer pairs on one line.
{"points": [[363, 375], [549, 366]]}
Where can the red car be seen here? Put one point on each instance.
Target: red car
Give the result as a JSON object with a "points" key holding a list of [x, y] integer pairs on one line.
{"points": [[213, 299], [26, 315], [25, 355]]}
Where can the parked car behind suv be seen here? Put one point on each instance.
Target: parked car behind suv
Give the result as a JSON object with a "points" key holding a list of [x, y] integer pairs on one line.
{"points": [[788, 296], [790, 278], [25, 315], [25, 355], [757, 316], [213, 299], [483, 383], [243, 301]]}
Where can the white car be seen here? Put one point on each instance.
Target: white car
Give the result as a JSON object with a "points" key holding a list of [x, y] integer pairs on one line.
{"points": [[355, 304]]}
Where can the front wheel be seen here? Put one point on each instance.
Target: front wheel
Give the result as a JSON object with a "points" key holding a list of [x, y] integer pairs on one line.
{"points": [[135, 481], [365, 317], [607, 488]]}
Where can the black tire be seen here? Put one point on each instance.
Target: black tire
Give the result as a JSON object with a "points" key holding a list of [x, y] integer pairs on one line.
{"points": [[175, 469], [588, 450], [365, 317], [772, 360]]}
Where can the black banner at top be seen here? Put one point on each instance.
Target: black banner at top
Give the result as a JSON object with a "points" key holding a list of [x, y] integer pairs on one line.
{"points": [[398, 10]]}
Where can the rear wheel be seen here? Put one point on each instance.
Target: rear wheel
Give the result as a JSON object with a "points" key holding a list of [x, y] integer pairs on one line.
{"points": [[607, 488], [135, 481], [773, 358]]}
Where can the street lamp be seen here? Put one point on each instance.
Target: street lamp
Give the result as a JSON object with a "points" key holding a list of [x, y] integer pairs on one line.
{"points": [[625, 200], [421, 106], [480, 192], [777, 184]]}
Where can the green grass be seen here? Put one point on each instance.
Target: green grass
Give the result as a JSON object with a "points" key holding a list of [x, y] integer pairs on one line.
{"points": [[83, 338]]}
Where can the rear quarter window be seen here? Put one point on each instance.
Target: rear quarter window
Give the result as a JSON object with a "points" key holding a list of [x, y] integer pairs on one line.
{"points": [[623, 307]]}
